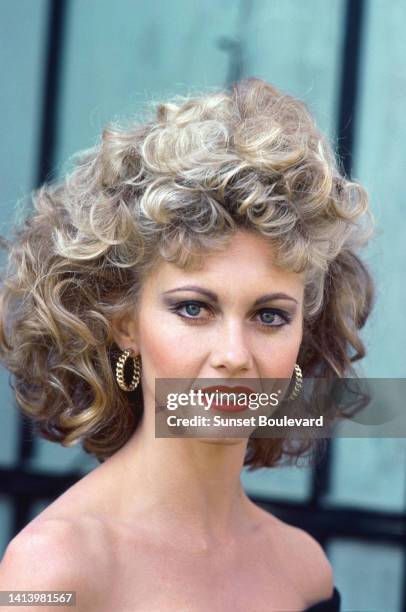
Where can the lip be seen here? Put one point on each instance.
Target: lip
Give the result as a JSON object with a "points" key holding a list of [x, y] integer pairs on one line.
{"points": [[239, 389]]}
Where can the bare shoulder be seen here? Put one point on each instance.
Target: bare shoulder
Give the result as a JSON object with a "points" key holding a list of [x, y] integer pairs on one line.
{"points": [[304, 559], [54, 554], [310, 565], [42, 548]]}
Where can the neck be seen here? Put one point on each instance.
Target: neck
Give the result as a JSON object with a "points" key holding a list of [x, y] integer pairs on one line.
{"points": [[184, 485]]}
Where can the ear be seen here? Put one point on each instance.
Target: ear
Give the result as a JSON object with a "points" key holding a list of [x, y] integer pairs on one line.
{"points": [[125, 332]]}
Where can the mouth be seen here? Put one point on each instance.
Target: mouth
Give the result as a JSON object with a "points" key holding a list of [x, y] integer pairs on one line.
{"points": [[222, 402]]}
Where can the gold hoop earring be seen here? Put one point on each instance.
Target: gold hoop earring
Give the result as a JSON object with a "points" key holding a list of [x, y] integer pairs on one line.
{"points": [[298, 382], [120, 371]]}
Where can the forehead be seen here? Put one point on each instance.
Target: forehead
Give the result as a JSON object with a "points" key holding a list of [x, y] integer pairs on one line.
{"points": [[248, 262]]}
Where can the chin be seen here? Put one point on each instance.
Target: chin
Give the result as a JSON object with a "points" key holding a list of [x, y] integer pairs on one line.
{"points": [[223, 441]]}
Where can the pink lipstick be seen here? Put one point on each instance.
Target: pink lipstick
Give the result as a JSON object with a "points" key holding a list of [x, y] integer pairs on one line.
{"points": [[222, 403]]}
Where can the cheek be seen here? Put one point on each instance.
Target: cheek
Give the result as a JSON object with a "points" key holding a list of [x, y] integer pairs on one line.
{"points": [[281, 354], [282, 365], [166, 350]]}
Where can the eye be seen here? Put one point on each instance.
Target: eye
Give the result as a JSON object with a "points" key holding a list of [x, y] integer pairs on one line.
{"points": [[270, 315], [191, 309]]}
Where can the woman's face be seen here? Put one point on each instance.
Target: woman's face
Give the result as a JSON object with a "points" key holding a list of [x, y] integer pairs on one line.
{"points": [[239, 316]]}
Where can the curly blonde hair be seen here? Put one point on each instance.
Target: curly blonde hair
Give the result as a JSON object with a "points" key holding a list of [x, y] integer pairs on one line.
{"points": [[171, 187]]}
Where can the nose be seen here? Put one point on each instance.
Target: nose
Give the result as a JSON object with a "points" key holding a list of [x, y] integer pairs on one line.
{"points": [[230, 354]]}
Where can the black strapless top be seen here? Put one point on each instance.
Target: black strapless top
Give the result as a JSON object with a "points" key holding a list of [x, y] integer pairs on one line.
{"points": [[327, 605]]}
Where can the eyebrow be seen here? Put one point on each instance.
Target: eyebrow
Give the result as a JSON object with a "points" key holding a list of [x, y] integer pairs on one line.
{"points": [[214, 297]]}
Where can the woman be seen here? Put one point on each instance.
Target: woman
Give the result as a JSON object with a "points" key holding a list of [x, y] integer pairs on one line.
{"points": [[216, 240]]}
